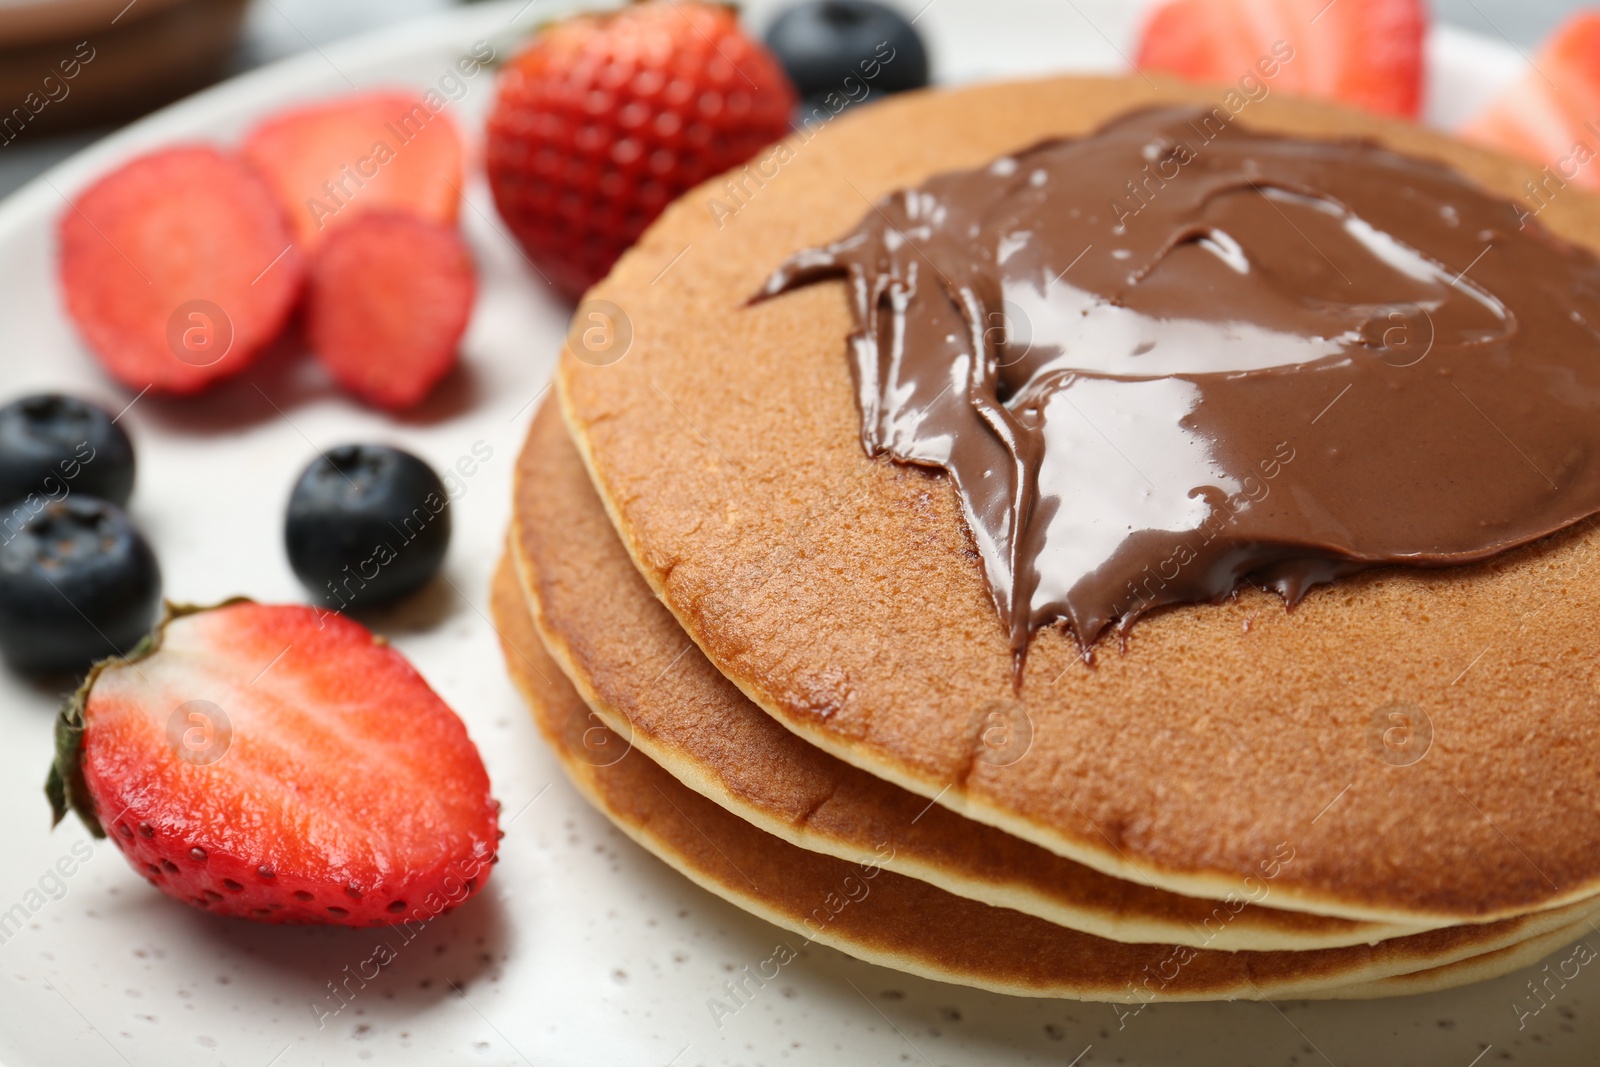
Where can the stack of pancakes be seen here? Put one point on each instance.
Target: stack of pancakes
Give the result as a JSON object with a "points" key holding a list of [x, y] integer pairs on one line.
{"points": [[772, 660]]}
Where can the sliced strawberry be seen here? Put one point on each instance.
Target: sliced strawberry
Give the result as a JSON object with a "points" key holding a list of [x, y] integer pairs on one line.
{"points": [[178, 268], [380, 151], [1546, 124], [279, 764], [389, 298], [1365, 53]]}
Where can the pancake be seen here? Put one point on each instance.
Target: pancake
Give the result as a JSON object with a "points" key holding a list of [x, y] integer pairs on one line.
{"points": [[1465, 972], [645, 679], [898, 922], [844, 596]]}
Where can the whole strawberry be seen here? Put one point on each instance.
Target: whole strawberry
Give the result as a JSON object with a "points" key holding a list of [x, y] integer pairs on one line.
{"points": [[606, 119], [279, 764]]}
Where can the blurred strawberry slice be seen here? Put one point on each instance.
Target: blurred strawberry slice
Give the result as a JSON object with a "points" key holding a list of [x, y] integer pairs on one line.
{"points": [[178, 268], [388, 299], [1364, 53], [1547, 115], [378, 151]]}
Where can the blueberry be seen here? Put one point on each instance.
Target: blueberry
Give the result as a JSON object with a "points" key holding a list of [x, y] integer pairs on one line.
{"points": [[366, 525], [77, 583], [847, 50], [52, 445]]}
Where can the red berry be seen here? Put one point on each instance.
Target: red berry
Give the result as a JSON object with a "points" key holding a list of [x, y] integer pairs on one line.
{"points": [[1365, 53], [379, 151], [606, 119], [279, 764], [1546, 115], [178, 268], [388, 300]]}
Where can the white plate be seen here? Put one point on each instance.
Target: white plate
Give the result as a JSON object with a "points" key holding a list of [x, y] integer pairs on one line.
{"points": [[583, 950]]}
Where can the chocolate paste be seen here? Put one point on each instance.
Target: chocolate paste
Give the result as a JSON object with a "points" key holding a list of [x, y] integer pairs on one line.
{"points": [[1175, 356]]}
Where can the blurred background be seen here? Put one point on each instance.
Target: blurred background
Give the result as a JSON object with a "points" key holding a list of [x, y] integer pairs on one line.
{"points": [[144, 53]]}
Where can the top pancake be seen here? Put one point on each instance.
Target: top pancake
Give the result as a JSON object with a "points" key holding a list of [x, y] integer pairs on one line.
{"points": [[843, 595]]}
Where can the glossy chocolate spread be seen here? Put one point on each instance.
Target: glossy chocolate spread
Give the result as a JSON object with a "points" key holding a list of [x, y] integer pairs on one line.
{"points": [[1176, 356]]}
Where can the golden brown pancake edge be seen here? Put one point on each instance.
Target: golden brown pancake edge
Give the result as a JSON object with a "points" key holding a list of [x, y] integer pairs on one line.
{"points": [[886, 919]]}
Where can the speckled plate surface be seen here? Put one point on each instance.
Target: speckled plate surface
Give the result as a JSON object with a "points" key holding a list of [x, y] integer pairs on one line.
{"points": [[583, 949]]}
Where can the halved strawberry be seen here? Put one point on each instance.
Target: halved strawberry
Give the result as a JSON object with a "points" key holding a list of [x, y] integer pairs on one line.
{"points": [[178, 268], [281, 764], [1551, 114], [378, 151], [389, 298], [1365, 53]]}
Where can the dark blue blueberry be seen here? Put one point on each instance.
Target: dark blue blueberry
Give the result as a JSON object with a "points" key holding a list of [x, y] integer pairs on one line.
{"points": [[53, 445], [839, 52], [77, 583], [367, 524]]}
